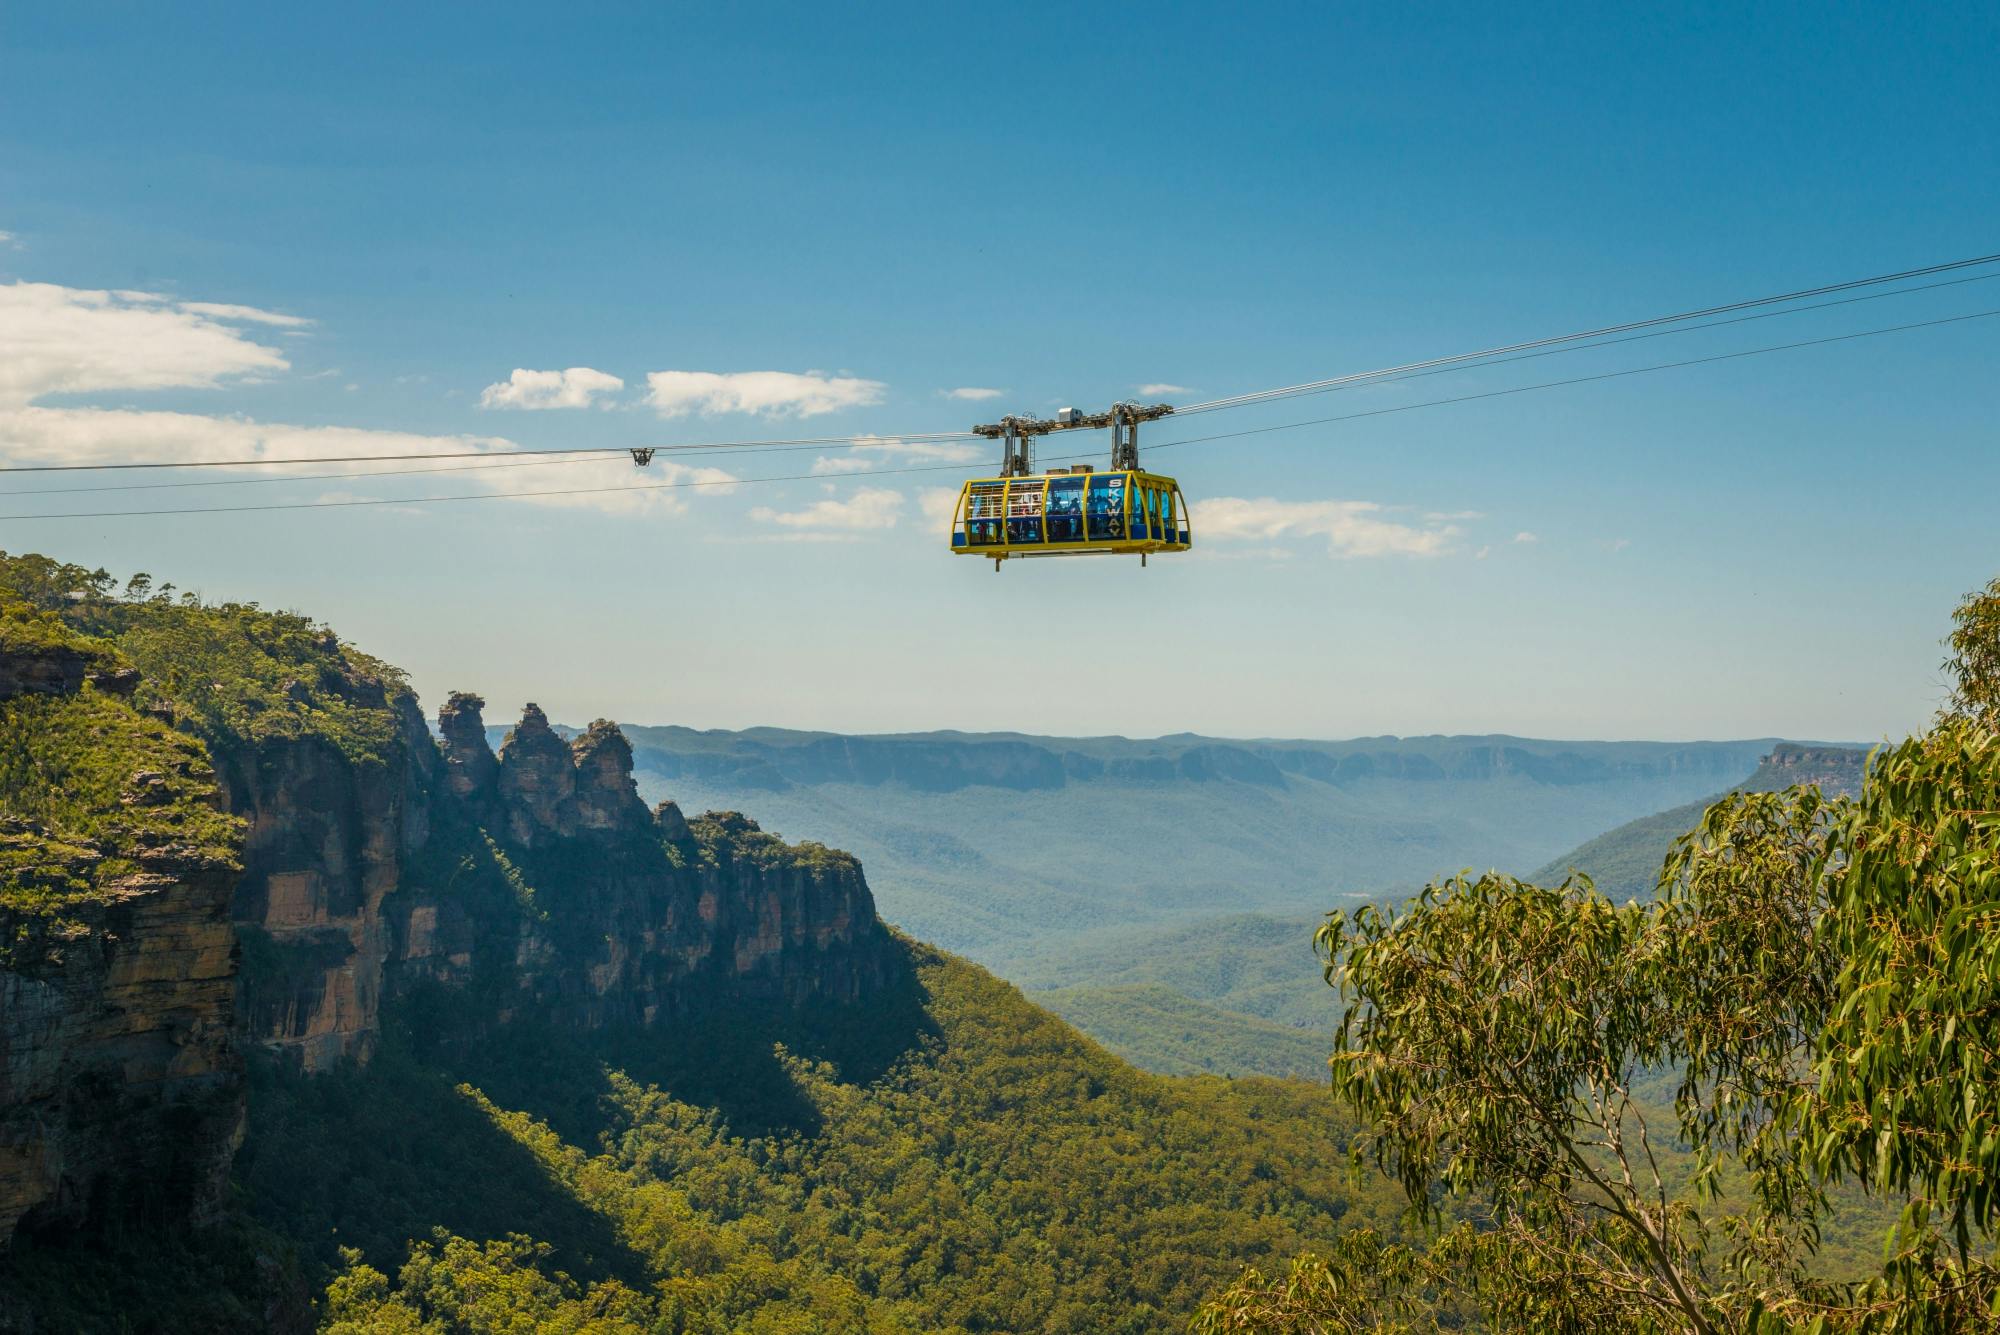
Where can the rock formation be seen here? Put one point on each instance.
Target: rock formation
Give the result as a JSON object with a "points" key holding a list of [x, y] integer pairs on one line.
{"points": [[121, 1079], [121, 1087], [374, 860], [1837, 770]]}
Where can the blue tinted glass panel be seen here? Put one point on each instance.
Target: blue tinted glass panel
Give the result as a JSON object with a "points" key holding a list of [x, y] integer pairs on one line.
{"points": [[1066, 509], [1107, 508]]}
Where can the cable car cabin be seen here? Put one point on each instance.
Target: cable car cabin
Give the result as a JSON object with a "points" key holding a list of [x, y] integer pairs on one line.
{"points": [[1074, 513]]}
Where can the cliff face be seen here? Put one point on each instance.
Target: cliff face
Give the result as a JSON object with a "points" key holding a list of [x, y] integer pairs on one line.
{"points": [[327, 844], [121, 1086], [121, 1082], [167, 902], [540, 867], [1837, 770], [634, 915]]}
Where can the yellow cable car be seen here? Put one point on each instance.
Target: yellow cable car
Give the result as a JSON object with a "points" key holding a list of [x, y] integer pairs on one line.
{"points": [[1071, 511]]}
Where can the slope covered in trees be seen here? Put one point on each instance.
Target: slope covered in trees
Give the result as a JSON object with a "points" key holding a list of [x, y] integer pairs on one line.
{"points": [[959, 1161], [945, 1156]]}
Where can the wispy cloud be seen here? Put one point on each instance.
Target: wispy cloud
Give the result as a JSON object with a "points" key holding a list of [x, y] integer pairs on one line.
{"points": [[8, 239], [58, 340], [879, 451], [763, 393], [217, 310], [867, 510], [973, 392], [1351, 528], [1159, 388], [66, 340], [576, 387], [1526, 538]]}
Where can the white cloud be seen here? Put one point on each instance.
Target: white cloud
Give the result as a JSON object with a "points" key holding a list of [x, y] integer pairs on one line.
{"points": [[217, 310], [92, 435], [973, 392], [1526, 537], [1351, 528], [7, 239], [1621, 544], [868, 509], [1162, 388], [841, 463], [768, 393], [1451, 516], [886, 451], [59, 340], [65, 340], [938, 505], [574, 388]]}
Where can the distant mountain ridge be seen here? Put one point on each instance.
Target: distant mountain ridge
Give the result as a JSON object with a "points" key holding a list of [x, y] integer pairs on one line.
{"points": [[1011, 847], [771, 759]]}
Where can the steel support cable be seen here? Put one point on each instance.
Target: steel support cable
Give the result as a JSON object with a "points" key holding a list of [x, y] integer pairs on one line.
{"points": [[934, 468], [1407, 370], [805, 442], [1583, 379], [1314, 386], [610, 454], [499, 461]]}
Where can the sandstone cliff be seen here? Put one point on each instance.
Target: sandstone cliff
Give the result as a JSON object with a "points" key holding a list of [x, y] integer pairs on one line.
{"points": [[1836, 770], [539, 867], [121, 1082], [222, 830]]}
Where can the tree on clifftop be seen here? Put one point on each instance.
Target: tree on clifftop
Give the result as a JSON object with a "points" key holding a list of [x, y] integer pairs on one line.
{"points": [[1642, 1117]]}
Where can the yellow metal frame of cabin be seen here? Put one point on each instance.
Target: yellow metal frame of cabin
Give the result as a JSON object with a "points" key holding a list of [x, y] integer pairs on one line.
{"points": [[1136, 483]]}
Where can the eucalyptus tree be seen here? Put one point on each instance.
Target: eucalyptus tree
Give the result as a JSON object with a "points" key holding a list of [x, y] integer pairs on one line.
{"points": [[1642, 1117]]}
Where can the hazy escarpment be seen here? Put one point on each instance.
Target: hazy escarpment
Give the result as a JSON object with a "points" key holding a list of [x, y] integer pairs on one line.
{"points": [[1011, 848], [776, 759], [1835, 770], [1626, 861]]}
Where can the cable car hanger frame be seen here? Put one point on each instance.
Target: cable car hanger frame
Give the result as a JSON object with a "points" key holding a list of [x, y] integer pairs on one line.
{"points": [[1074, 511]]}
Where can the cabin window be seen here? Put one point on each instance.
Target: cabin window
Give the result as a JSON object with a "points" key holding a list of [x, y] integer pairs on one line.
{"points": [[1107, 508], [1066, 509], [1024, 512], [984, 503]]}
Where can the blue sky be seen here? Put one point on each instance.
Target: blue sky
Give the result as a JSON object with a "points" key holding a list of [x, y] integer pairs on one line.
{"points": [[1063, 203]]}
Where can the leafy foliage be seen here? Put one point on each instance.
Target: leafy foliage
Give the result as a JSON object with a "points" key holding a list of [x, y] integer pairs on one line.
{"points": [[956, 1160], [92, 785], [1822, 979], [1974, 662], [228, 672]]}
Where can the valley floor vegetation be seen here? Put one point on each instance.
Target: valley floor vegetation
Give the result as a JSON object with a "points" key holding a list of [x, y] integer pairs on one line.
{"points": [[1808, 1014]]}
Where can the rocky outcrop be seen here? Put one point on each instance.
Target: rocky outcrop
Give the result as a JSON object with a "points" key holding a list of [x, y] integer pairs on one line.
{"points": [[439, 861], [121, 1084], [642, 915], [470, 769], [1836, 770], [368, 871], [55, 669], [537, 780], [328, 841]]}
